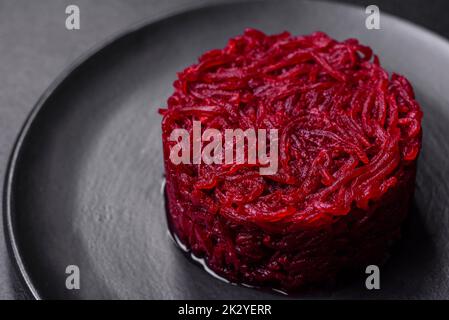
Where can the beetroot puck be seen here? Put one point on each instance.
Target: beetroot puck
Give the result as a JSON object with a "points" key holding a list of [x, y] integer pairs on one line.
{"points": [[349, 137]]}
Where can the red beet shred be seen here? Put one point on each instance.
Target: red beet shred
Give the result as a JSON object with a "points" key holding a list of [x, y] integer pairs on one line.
{"points": [[349, 137]]}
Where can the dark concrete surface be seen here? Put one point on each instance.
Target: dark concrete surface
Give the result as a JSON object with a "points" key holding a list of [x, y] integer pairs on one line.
{"points": [[35, 47]]}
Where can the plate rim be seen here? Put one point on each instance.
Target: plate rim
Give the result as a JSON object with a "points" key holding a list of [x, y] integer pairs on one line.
{"points": [[189, 7]]}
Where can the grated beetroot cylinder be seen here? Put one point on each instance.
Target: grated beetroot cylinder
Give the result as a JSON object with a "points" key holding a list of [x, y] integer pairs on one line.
{"points": [[349, 138]]}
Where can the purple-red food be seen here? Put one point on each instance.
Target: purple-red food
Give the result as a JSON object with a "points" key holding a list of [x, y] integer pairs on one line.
{"points": [[349, 138]]}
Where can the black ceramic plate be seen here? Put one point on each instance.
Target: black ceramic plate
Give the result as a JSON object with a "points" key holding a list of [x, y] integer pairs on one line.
{"points": [[84, 182]]}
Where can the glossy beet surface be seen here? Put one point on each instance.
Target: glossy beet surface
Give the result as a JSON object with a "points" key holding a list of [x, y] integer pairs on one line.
{"points": [[349, 137]]}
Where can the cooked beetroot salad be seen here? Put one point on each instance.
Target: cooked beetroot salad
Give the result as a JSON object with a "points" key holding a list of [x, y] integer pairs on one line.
{"points": [[349, 138]]}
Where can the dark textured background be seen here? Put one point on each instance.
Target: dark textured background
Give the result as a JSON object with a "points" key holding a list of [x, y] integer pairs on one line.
{"points": [[35, 47]]}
